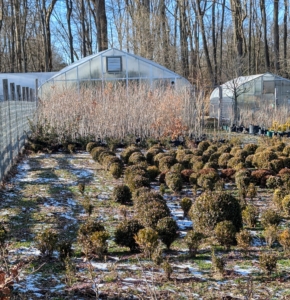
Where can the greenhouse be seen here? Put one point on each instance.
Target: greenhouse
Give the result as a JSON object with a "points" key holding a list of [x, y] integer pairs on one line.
{"points": [[252, 94], [114, 66]]}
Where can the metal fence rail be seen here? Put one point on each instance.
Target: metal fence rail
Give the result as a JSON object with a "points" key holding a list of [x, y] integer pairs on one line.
{"points": [[16, 110]]}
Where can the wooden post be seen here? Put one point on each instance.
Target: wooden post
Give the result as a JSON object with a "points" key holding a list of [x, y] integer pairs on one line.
{"points": [[18, 92], [31, 95], [36, 90], [27, 94], [12, 91], [5, 90], [23, 94]]}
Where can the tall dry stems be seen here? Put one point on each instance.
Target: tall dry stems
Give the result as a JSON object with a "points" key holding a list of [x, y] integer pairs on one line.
{"points": [[118, 111]]}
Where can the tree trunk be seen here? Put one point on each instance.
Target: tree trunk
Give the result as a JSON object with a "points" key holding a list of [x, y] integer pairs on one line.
{"points": [[69, 8], [276, 36], [285, 32], [200, 14], [101, 24], [264, 23]]}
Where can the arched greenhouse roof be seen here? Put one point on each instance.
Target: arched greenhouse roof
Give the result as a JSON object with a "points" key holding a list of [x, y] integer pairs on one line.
{"points": [[116, 65]]}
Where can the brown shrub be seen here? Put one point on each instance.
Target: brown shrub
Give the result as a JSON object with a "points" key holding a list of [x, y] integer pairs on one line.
{"points": [[259, 177]]}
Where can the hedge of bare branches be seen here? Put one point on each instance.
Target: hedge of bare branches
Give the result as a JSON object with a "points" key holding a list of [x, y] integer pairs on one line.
{"points": [[117, 111]]}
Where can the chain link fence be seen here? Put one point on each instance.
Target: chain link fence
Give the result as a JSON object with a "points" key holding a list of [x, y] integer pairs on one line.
{"points": [[14, 123]]}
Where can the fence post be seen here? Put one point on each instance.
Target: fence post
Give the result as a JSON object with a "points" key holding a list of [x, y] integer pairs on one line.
{"points": [[27, 93], [5, 89], [18, 92], [23, 94]]}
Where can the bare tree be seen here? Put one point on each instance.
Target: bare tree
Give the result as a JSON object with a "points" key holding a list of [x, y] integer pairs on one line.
{"points": [[276, 36]]}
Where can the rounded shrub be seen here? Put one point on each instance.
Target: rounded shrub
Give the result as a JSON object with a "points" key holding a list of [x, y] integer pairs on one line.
{"points": [[223, 160], [284, 240], [126, 153], [166, 162], [153, 172], [125, 234], [276, 165], [138, 181], [178, 167], [193, 240], [95, 152], [250, 148], [160, 155], [185, 174], [228, 174], [46, 241], [148, 214], [203, 145], [181, 153], [211, 164], [273, 182], [234, 150], [211, 208], [262, 159], [224, 149], [197, 152], [241, 154], [186, 161], [90, 146], [116, 170], [225, 233], [270, 234], [99, 243], [197, 166], [167, 230], [207, 178], [268, 262], [259, 177], [250, 215], [144, 195], [174, 181], [270, 217], [233, 162], [152, 151], [278, 197], [122, 194], [286, 150], [244, 239], [249, 161], [147, 239], [136, 158], [185, 204], [107, 156]]}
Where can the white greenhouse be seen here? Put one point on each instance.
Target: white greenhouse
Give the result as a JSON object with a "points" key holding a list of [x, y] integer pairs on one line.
{"points": [[114, 65], [252, 93]]}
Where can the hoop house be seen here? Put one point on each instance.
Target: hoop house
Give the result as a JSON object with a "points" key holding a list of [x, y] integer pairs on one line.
{"points": [[114, 66], [251, 93]]}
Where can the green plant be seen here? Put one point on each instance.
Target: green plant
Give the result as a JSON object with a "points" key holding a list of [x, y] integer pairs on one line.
{"points": [[262, 159], [126, 153], [193, 240], [166, 266], [286, 204], [116, 169], [3, 235], [268, 262], [274, 182], [203, 145], [99, 242], [154, 150], [149, 213], [223, 160], [167, 230], [207, 178], [270, 234], [242, 179], [270, 217], [251, 191], [166, 162], [185, 204], [153, 172], [64, 247], [250, 215], [178, 167], [244, 239], [162, 189], [147, 239], [250, 148], [278, 197], [96, 152], [211, 208], [88, 206], [46, 241], [136, 158], [173, 181], [122, 194], [284, 240], [225, 233], [218, 263], [125, 233]]}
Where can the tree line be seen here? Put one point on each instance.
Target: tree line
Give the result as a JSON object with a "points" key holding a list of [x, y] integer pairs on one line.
{"points": [[204, 41]]}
